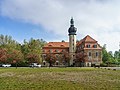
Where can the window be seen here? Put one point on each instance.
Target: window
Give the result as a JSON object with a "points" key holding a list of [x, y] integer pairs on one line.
{"points": [[73, 44], [50, 51], [89, 54], [82, 46], [95, 46], [73, 40], [44, 55], [57, 62], [79, 47], [88, 46], [56, 50], [56, 55], [44, 62], [96, 54], [63, 50]]}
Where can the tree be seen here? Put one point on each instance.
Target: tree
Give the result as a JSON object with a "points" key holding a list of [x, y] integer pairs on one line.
{"points": [[117, 57], [33, 49], [15, 57], [116, 54], [81, 57], [65, 57], [111, 57], [3, 55], [32, 58], [105, 55], [50, 58]]}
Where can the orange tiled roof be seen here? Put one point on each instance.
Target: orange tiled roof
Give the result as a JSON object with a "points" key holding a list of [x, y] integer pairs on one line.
{"points": [[57, 44], [89, 39], [86, 39], [79, 42]]}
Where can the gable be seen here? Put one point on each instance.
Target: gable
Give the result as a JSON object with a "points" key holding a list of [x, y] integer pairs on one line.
{"points": [[89, 39]]}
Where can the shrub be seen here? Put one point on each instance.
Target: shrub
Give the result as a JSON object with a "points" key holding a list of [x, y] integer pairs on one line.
{"points": [[103, 65]]}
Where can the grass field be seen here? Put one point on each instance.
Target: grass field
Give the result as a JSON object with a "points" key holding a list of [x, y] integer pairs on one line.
{"points": [[59, 79]]}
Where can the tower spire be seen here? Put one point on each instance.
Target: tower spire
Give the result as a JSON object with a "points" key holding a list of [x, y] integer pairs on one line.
{"points": [[72, 21], [72, 30]]}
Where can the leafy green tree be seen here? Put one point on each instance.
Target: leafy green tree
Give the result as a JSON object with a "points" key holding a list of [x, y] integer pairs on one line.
{"points": [[105, 55], [32, 50], [117, 57], [111, 57], [15, 52], [116, 54]]}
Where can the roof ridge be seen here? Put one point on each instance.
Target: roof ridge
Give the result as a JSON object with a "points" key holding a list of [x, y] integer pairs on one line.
{"points": [[88, 36], [58, 42]]}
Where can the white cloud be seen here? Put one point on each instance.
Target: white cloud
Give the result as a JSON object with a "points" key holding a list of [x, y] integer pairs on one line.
{"points": [[98, 18]]}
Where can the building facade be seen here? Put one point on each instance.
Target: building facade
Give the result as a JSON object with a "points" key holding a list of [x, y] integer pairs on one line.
{"points": [[57, 49], [90, 50], [86, 52]]}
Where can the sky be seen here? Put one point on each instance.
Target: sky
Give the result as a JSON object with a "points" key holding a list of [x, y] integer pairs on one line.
{"points": [[50, 20]]}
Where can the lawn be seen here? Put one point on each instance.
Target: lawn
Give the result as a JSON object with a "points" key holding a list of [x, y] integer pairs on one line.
{"points": [[59, 79]]}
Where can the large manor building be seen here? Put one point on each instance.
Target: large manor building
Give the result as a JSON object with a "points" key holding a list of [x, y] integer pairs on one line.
{"points": [[85, 52]]}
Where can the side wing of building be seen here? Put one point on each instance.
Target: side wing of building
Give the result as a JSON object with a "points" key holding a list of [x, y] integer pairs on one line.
{"points": [[57, 49], [91, 49]]}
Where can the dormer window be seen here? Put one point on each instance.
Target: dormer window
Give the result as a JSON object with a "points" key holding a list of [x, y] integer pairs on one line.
{"points": [[62, 45], [50, 45], [88, 46], [95, 46]]}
